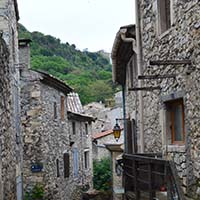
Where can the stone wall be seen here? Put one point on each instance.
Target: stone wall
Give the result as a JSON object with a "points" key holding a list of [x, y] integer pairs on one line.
{"points": [[45, 137], [180, 42], [11, 143], [116, 178], [99, 150], [82, 143], [7, 136]]}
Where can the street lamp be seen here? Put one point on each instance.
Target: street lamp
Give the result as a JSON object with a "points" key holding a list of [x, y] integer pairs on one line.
{"points": [[117, 131]]}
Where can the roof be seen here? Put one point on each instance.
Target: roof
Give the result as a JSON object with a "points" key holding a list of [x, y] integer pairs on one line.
{"points": [[122, 51], [74, 103], [80, 117], [114, 147], [75, 108], [54, 82], [16, 10], [102, 134]]}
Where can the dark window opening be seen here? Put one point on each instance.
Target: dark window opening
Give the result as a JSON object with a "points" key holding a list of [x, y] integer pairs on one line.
{"points": [[66, 165], [73, 128], [55, 110], [86, 129], [86, 159], [57, 168]]}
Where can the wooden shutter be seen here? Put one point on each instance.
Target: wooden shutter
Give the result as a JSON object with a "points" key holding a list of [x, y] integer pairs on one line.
{"points": [[129, 137], [62, 108], [75, 158], [66, 165], [134, 135]]}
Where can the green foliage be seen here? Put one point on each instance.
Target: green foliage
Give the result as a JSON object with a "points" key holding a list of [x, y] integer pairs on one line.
{"points": [[89, 73], [102, 174], [37, 193]]}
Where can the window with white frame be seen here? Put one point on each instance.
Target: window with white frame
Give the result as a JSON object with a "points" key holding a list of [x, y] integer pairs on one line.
{"points": [[164, 15]]}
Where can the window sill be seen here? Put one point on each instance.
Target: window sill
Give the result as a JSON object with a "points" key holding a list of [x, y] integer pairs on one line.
{"points": [[176, 148]]}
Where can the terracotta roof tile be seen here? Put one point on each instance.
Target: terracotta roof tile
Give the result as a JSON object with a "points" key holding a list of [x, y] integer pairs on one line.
{"points": [[102, 134]]}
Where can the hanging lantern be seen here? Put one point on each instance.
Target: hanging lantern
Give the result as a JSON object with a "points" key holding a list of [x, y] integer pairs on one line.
{"points": [[117, 131]]}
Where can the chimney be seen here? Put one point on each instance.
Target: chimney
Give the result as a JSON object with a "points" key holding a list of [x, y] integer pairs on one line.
{"points": [[24, 54]]}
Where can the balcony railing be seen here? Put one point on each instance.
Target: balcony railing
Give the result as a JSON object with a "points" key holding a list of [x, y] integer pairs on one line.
{"points": [[149, 174]]}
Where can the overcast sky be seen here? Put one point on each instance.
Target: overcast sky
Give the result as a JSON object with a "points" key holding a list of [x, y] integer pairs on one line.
{"points": [[90, 24]]}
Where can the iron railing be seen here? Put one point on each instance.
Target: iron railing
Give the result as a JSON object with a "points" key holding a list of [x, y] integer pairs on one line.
{"points": [[148, 174]]}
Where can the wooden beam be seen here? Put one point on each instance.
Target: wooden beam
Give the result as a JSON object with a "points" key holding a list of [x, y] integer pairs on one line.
{"points": [[145, 88], [170, 62], [157, 76]]}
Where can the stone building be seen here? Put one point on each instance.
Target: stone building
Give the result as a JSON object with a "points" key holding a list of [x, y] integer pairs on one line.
{"points": [[116, 151], [56, 135], [100, 140], [160, 72], [80, 129], [10, 141], [105, 115]]}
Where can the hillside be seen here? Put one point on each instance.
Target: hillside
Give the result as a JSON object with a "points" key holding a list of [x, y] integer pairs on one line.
{"points": [[89, 73]]}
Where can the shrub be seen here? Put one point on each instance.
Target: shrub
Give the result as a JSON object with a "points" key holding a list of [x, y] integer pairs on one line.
{"points": [[102, 174], [37, 193]]}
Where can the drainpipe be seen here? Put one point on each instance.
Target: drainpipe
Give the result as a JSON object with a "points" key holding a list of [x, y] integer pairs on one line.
{"points": [[124, 116], [125, 39], [139, 67]]}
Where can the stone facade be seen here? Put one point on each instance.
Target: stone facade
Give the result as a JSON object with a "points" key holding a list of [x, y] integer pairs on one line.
{"points": [[116, 151], [10, 147], [45, 136], [80, 129], [105, 119], [81, 150], [178, 38], [57, 141], [100, 140]]}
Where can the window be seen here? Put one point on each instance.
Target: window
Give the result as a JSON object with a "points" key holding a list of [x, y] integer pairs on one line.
{"points": [[175, 122], [55, 110], [73, 128], [66, 165], [57, 168], [75, 162], [86, 159], [62, 107], [164, 15], [86, 129]]}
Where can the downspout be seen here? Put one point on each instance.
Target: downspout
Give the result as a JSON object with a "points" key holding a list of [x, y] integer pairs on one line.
{"points": [[139, 67], [124, 116], [125, 39]]}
